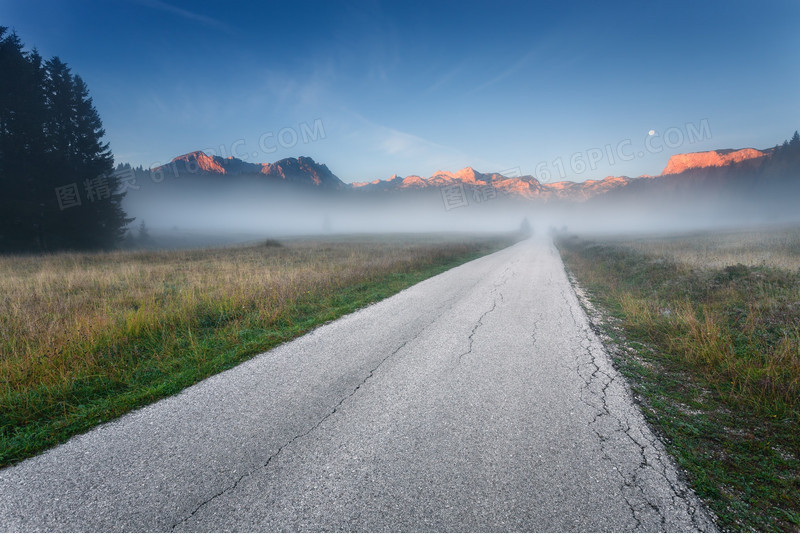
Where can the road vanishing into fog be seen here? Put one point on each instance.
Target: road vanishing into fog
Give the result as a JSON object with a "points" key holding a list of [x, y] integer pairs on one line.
{"points": [[477, 400]]}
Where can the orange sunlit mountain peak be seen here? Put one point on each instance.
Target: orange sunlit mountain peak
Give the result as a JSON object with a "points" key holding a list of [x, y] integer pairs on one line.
{"points": [[202, 160], [712, 158]]}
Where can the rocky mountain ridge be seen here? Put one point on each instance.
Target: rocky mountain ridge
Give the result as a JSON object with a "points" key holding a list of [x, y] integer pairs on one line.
{"points": [[305, 171]]}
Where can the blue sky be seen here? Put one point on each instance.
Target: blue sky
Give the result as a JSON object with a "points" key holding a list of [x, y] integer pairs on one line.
{"points": [[377, 88]]}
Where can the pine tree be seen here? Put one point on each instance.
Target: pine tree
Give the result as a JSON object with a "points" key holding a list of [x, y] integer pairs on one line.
{"points": [[525, 227], [52, 151], [102, 221], [143, 234], [795, 140], [22, 144]]}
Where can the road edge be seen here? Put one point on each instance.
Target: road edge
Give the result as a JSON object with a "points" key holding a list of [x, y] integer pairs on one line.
{"points": [[616, 348]]}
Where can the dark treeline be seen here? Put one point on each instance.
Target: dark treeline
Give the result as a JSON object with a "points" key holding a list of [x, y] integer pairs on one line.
{"points": [[765, 188], [56, 172]]}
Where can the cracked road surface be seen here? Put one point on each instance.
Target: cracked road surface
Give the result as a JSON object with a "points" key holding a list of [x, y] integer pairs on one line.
{"points": [[479, 399]]}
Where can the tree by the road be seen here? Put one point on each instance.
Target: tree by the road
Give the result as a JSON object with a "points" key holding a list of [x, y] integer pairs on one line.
{"points": [[56, 172]]}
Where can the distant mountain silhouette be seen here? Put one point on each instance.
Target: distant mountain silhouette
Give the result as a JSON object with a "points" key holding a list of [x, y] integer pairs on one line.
{"points": [[301, 171], [526, 187], [713, 158], [722, 172], [744, 185], [704, 189], [725, 172]]}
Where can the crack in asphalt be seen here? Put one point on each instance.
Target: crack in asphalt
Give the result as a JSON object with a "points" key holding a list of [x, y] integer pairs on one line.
{"points": [[444, 309], [505, 276], [478, 324], [594, 394], [506, 317], [291, 441]]}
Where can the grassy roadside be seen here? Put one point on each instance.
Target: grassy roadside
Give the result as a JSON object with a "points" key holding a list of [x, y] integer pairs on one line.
{"points": [[713, 353], [85, 338]]}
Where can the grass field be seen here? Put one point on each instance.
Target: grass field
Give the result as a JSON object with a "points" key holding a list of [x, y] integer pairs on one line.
{"points": [[708, 333], [85, 338], [778, 249]]}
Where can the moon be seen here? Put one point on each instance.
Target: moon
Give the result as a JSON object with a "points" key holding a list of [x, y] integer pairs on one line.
{"points": [[651, 132]]}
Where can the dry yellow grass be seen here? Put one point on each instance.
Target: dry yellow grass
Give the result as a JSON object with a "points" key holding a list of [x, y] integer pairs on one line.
{"points": [[726, 302], [714, 324], [772, 248], [58, 306], [88, 336]]}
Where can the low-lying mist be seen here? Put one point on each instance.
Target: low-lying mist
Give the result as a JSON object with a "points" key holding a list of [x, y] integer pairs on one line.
{"points": [[233, 211]]}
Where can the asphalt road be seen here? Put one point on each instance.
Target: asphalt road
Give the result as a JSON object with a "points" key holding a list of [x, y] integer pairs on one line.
{"points": [[477, 400]]}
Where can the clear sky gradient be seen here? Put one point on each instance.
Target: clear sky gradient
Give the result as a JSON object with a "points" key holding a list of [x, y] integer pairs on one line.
{"points": [[377, 88]]}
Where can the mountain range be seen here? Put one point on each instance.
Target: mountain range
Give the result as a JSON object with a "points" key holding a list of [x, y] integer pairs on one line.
{"points": [[305, 172], [529, 187], [300, 171]]}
